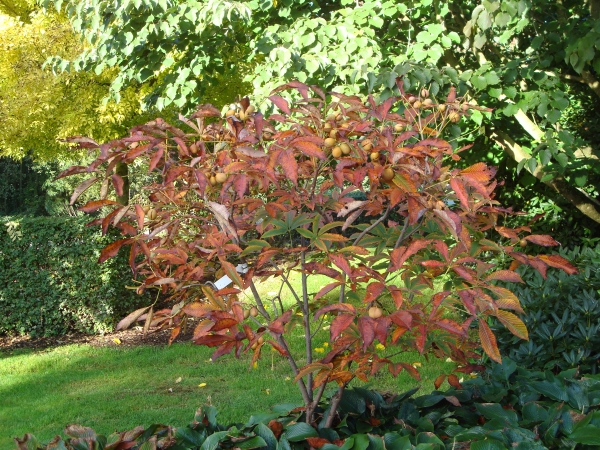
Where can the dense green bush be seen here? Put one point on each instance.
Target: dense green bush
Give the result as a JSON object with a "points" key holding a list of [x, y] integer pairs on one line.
{"points": [[505, 408], [562, 314], [51, 283]]}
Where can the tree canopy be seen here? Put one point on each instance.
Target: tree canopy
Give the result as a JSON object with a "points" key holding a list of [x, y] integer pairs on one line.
{"points": [[519, 57]]}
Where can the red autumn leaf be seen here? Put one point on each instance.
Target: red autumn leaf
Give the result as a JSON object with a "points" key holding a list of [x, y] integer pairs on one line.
{"points": [[505, 275], [95, 205], [282, 351], [309, 146], [366, 328], [488, 342], [373, 291], [454, 382], [478, 171], [439, 380], [402, 319], [396, 295], [132, 317], [277, 326], [341, 262], [289, 165], [411, 370], [421, 338], [326, 289], [337, 307], [224, 324], [81, 189], [542, 239], [461, 193], [112, 249], [276, 427], [559, 262], [281, 103], [339, 324], [317, 442]]}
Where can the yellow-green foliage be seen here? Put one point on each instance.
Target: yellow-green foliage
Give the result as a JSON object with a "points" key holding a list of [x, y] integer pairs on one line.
{"points": [[38, 107]]}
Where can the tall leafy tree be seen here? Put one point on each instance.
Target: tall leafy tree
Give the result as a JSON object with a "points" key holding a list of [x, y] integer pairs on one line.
{"points": [[516, 56]]}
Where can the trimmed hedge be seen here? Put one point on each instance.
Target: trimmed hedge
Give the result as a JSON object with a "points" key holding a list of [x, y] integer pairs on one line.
{"points": [[51, 283]]}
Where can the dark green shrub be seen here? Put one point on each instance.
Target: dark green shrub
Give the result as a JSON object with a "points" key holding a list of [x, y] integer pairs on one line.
{"points": [[506, 408], [562, 314], [51, 283]]}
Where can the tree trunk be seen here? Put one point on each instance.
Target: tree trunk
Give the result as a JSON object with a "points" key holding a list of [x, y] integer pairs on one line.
{"points": [[122, 170], [579, 199]]}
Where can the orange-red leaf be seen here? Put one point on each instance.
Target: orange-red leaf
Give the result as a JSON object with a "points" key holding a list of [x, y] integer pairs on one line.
{"points": [[439, 380], [95, 205], [309, 147], [542, 239], [453, 381], [559, 262], [488, 342], [112, 249], [505, 275], [373, 291], [461, 193], [339, 324], [338, 307], [513, 323], [132, 317]]}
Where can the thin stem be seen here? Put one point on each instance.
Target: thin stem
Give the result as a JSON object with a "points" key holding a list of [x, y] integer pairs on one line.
{"points": [[306, 394], [259, 304], [335, 401], [306, 319], [315, 403]]}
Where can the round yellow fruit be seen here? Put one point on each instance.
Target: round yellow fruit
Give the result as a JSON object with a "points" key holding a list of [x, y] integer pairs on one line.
{"points": [[523, 242], [152, 214], [387, 174], [230, 113], [427, 102], [424, 93], [375, 312], [336, 152], [221, 177], [254, 311], [441, 108], [454, 117], [398, 127], [193, 149], [345, 148], [329, 142], [246, 313], [212, 180], [261, 340], [250, 109], [417, 104], [375, 156]]}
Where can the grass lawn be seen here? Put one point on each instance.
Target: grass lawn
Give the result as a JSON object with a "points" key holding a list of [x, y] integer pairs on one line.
{"points": [[117, 388]]}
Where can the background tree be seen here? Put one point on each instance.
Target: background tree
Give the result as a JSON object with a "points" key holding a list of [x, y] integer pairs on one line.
{"points": [[518, 56]]}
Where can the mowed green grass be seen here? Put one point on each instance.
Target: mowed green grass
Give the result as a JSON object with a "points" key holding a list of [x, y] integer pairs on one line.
{"points": [[117, 388]]}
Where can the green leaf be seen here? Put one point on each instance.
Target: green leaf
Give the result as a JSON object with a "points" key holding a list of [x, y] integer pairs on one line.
{"points": [[212, 441], [479, 82], [265, 432], [253, 442], [550, 390], [589, 435], [299, 431], [496, 411], [488, 444]]}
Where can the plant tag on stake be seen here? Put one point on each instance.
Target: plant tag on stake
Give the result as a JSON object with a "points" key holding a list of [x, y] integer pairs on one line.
{"points": [[225, 281]]}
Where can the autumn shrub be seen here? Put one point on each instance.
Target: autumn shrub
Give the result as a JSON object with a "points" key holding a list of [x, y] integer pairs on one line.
{"points": [[248, 198], [49, 285]]}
